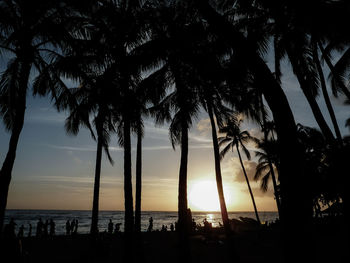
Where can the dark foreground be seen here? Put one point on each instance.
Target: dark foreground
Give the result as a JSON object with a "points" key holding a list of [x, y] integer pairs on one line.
{"points": [[248, 245]]}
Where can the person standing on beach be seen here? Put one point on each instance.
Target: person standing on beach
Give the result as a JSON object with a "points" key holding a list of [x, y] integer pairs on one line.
{"points": [[76, 226], [150, 227], [21, 232], [52, 227], [46, 228], [110, 226], [68, 226], [30, 230], [12, 228], [72, 226], [39, 228], [172, 227], [117, 228]]}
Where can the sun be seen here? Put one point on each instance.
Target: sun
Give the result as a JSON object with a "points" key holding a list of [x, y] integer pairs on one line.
{"points": [[204, 196]]}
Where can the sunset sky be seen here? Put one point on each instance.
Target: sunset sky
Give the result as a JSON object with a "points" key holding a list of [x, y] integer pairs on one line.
{"points": [[55, 171]]}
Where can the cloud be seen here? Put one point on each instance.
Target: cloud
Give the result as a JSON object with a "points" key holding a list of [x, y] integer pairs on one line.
{"points": [[233, 166], [257, 192], [204, 127], [70, 148]]}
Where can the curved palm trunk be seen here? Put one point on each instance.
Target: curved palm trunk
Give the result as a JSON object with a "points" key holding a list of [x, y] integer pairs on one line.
{"points": [[7, 166], [325, 94], [273, 176], [6, 170], [129, 213], [182, 196], [249, 188], [95, 202], [223, 208], [138, 181], [291, 162], [304, 85]]}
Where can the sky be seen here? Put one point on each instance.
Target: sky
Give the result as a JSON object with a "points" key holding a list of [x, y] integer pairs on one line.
{"points": [[55, 171]]}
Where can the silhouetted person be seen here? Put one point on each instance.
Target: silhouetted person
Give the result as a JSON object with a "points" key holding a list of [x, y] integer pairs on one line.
{"points": [[12, 228], [39, 228], [68, 226], [150, 226], [207, 225], [110, 226], [21, 232], [189, 220], [52, 227], [172, 227], [46, 228], [194, 225], [72, 226], [117, 228], [30, 230], [76, 224]]}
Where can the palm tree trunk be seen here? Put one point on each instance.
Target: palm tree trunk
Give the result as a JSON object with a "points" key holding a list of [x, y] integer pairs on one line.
{"points": [[95, 202], [6, 170], [223, 208], [247, 180], [273, 176], [304, 85], [129, 213], [7, 166], [138, 180], [325, 94], [182, 196]]}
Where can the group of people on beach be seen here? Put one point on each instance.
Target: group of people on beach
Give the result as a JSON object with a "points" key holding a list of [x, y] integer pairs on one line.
{"points": [[72, 227], [43, 229], [113, 228], [192, 226]]}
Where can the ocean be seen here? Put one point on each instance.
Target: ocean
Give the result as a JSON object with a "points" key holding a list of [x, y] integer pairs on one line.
{"points": [[26, 217]]}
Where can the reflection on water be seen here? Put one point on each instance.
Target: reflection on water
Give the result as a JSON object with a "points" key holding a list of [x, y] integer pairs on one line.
{"points": [[210, 219], [26, 217]]}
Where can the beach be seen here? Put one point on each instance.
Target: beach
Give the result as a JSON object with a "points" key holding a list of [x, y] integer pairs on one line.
{"points": [[247, 244]]}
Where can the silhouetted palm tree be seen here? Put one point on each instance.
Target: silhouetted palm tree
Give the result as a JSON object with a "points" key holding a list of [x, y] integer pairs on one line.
{"points": [[30, 32], [93, 100], [266, 169], [234, 137]]}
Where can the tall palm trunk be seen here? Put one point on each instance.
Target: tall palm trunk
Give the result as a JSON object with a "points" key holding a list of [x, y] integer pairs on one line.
{"points": [[325, 93], [96, 197], [138, 180], [247, 180], [305, 86], [223, 208], [18, 121], [129, 216], [273, 176], [182, 196]]}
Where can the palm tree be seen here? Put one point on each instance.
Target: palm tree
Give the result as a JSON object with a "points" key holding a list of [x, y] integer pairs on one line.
{"points": [[93, 99], [29, 32], [234, 137], [122, 32], [266, 169]]}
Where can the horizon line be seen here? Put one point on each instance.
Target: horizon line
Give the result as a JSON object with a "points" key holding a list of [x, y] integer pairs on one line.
{"points": [[108, 210]]}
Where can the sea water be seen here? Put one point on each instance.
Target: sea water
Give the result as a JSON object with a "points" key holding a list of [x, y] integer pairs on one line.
{"points": [[26, 217]]}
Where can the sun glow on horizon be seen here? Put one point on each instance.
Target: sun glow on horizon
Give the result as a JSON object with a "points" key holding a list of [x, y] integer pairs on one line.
{"points": [[204, 196]]}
